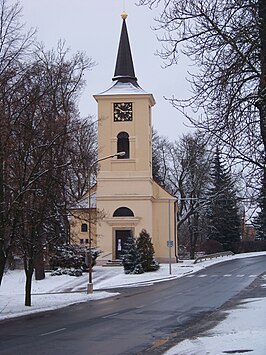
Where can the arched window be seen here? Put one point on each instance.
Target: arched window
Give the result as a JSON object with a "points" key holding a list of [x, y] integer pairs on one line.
{"points": [[123, 212], [84, 227], [123, 145]]}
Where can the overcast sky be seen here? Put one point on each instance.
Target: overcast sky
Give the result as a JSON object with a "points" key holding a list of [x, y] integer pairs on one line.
{"points": [[94, 26]]}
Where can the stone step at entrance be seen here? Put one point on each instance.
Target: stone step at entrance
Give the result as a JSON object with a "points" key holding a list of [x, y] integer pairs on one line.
{"points": [[116, 262]]}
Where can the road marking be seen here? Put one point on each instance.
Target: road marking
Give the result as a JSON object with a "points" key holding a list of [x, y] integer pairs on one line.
{"points": [[54, 331], [141, 306], [225, 275], [111, 315]]}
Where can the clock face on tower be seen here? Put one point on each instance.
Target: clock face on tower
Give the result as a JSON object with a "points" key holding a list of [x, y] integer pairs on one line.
{"points": [[123, 111]]}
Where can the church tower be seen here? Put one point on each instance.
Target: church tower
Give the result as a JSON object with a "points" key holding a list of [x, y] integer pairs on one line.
{"points": [[127, 196]]}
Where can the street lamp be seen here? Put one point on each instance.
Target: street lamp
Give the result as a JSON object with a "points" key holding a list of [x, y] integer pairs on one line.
{"points": [[90, 283]]}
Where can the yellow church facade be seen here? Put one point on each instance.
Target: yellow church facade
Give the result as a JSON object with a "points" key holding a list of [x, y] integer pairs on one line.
{"points": [[127, 198]]}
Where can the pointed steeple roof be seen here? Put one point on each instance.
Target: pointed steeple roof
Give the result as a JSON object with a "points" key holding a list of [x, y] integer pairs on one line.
{"points": [[124, 69], [125, 80]]}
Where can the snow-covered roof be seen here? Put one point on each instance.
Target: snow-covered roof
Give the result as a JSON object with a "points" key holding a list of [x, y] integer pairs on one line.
{"points": [[120, 88], [84, 202]]}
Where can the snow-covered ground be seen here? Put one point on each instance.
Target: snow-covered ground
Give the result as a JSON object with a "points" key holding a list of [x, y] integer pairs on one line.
{"points": [[242, 332], [244, 328]]}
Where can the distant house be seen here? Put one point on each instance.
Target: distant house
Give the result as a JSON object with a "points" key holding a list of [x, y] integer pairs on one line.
{"points": [[249, 232]]}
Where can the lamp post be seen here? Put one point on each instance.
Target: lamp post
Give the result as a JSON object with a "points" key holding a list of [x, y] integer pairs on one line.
{"points": [[170, 242], [90, 283]]}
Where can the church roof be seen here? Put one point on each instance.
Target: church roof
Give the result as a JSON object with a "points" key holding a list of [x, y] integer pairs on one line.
{"points": [[124, 76], [124, 69]]}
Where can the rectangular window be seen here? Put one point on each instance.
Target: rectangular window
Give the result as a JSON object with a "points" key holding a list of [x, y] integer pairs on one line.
{"points": [[84, 227], [81, 241]]}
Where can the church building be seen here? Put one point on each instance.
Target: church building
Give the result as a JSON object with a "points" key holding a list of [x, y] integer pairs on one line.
{"points": [[126, 195]]}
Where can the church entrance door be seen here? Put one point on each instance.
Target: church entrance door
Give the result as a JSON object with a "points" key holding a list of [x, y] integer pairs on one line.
{"points": [[121, 238]]}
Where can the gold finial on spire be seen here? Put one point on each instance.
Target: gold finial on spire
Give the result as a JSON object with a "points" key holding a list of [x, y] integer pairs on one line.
{"points": [[124, 15]]}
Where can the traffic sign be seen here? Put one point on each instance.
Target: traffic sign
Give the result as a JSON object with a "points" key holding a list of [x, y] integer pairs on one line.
{"points": [[170, 243]]}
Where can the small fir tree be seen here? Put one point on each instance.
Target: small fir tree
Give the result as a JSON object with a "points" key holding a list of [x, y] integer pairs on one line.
{"points": [[131, 258], [146, 252]]}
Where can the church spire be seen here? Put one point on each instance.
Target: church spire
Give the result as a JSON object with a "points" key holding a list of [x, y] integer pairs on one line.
{"points": [[124, 69]]}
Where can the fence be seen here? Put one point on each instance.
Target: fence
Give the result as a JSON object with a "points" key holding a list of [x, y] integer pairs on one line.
{"points": [[212, 256]]}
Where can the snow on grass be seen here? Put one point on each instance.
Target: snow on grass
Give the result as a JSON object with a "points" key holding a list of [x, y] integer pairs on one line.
{"points": [[47, 294]]}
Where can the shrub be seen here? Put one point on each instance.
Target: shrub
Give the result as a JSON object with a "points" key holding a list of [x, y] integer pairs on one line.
{"points": [[70, 272], [247, 246], [68, 256], [211, 246]]}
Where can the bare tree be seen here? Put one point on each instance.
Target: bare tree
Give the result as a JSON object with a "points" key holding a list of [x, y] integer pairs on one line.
{"points": [[160, 159], [83, 155], [42, 122], [226, 41], [14, 48], [41, 134], [51, 119], [190, 176], [184, 171]]}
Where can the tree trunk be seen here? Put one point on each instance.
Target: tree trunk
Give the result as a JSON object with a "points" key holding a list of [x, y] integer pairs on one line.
{"points": [[190, 230], [194, 233], [2, 262], [38, 262], [29, 272], [39, 266], [263, 207], [2, 234], [262, 97], [262, 89]]}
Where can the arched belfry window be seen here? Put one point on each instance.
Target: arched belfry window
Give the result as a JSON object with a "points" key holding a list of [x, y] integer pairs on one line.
{"points": [[123, 145], [123, 212]]}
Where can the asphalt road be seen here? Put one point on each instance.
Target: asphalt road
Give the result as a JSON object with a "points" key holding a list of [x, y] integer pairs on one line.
{"points": [[140, 320]]}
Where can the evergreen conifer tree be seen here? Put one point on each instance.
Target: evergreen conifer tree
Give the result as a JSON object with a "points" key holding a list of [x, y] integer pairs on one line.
{"points": [[222, 214], [146, 251], [131, 257]]}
